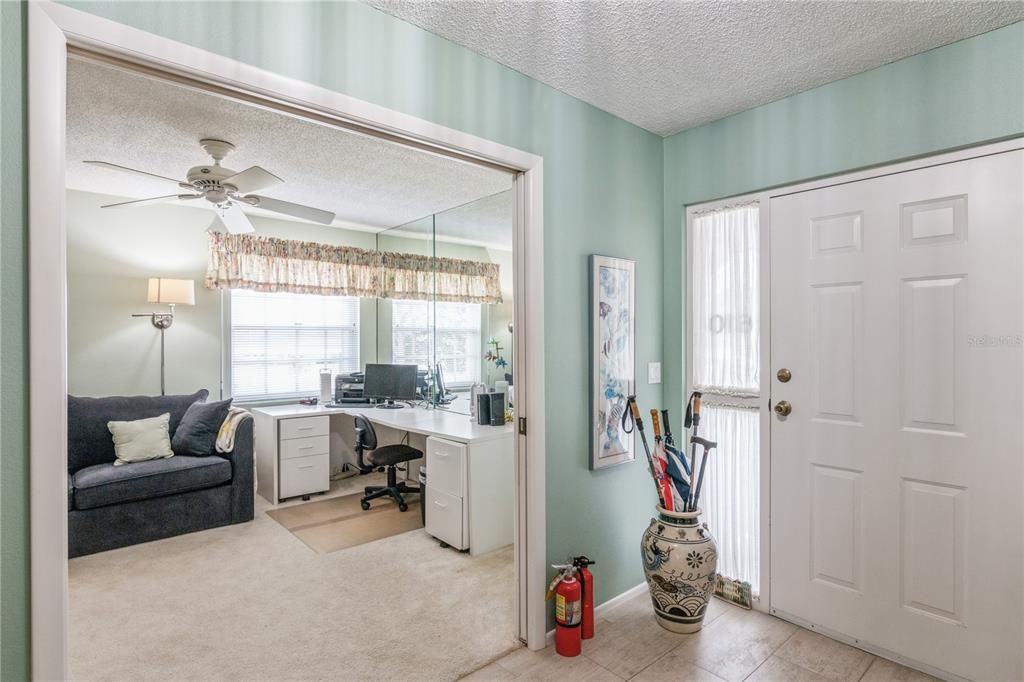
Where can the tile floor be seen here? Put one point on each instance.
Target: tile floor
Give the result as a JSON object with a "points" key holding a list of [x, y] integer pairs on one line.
{"points": [[734, 645]]}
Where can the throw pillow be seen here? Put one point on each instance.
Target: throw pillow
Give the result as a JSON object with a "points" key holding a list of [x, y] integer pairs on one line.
{"points": [[197, 433], [142, 439]]}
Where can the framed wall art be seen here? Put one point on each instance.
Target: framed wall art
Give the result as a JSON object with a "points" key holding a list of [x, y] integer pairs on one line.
{"points": [[613, 357]]}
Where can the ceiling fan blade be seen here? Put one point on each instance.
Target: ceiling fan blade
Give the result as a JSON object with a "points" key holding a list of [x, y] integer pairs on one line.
{"points": [[235, 221], [152, 200], [295, 210], [252, 179], [114, 166]]}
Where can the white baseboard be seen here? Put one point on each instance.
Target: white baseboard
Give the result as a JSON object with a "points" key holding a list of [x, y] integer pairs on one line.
{"points": [[608, 605]]}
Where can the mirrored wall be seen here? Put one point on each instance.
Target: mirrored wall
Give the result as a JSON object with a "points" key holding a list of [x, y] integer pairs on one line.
{"points": [[452, 318]]}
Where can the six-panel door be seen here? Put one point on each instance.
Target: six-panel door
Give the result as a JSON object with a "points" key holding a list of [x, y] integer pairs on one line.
{"points": [[896, 304]]}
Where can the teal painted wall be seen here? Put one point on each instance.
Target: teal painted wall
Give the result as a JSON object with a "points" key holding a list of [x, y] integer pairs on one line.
{"points": [[957, 95], [14, 566], [602, 194]]}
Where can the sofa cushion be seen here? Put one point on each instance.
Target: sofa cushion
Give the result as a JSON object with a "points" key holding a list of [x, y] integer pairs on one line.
{"points": [[71, 493], [103, 484], [197, 432], [89, 440], [141, 439]]}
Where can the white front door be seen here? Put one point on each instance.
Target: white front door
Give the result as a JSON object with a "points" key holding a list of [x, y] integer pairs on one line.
{"points": [[896, 516]]}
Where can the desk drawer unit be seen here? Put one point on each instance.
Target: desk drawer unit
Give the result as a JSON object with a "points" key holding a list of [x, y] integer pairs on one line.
{"points": [[305, 475], [304, 427], [446, 466], [304, 456]]}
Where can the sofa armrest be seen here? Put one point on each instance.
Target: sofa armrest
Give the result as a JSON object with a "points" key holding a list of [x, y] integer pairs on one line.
{"points": [[241, 458]]}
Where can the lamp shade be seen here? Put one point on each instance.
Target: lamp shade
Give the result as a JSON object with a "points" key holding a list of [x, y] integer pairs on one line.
{"points": [[177, 291]]}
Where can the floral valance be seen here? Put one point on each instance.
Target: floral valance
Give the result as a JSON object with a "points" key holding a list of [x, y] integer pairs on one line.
{"points": [[423, 278], [247, 261]]}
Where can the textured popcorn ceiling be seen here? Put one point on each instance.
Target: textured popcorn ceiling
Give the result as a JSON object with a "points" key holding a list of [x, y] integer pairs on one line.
{"points": [[155, 126], [668, 66]]}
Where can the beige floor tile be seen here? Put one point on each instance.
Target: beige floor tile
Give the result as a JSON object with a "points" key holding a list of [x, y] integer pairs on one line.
{"points": [[776, 669], [632, 642], [548, 665], [887, 671], [673, 668], [636, 605], [494, 672], [825, 656], [736, 643], [640, 604]]}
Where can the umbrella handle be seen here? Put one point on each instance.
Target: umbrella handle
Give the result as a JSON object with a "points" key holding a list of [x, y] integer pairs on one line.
{"points": [[656, 425]]}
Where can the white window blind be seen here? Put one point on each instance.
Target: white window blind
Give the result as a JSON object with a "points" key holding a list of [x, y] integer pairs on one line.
{"points": [[457, 337], [280, 341], [725, 338]]}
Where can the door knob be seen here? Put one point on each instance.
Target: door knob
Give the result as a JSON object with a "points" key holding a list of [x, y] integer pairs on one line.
{"points": [[784, 375], [783, 408]]}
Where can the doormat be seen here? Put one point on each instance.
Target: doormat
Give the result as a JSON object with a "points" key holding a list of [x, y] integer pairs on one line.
{"points": [[734, 591], [338, 523]]}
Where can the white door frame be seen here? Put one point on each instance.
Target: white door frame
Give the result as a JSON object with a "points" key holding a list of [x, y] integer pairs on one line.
{"points": [[764, 198], [53, 31]]}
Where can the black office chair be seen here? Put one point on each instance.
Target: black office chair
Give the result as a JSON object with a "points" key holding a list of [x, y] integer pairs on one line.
{"points": [[389, 456]]}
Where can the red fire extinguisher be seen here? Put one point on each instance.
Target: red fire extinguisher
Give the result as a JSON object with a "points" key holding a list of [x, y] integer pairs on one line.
{"points": [[568, 611], [586, 579]]}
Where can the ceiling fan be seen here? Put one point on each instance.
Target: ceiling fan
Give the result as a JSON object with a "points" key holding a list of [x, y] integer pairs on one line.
{"points": [[226, 189]]}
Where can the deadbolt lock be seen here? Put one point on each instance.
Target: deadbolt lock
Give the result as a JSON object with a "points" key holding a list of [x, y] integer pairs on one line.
{"points": [[783, 408], [784, 375]]}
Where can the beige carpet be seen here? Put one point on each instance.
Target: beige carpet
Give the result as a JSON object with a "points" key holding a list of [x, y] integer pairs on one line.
{"points": [[252, 602], [338, 523]]}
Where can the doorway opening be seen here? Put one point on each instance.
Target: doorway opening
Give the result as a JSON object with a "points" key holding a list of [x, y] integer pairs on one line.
{"points": [[56, 33]]}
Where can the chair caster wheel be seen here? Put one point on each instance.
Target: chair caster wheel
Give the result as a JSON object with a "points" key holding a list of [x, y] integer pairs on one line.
{"points": [[364, 504], [403, 507]]}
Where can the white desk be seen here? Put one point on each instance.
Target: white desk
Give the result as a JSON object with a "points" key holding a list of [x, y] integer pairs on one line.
{"points": [[470, 472]]}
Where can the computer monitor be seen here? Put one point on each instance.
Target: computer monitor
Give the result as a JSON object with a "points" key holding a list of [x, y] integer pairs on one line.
{"points": [[440, 390], [389, 383]]}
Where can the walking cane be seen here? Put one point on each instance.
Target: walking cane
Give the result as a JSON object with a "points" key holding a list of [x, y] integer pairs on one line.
{"points": [[707, 445], [693, 418]]}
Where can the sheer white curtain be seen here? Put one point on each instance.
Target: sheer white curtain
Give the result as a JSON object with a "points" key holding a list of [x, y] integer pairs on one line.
{"points": [[731, 493], [725, 338], [726, 309]]}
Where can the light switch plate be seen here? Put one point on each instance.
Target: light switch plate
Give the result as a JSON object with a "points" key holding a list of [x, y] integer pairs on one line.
{"points": [[654, 372]]}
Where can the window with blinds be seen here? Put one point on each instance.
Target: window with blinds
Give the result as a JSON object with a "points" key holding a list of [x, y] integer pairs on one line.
{"points": [[456, 335], [280, 342]]}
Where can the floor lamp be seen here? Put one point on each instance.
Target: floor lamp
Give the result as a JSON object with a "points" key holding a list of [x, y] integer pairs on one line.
{"points": [[170, 292]]}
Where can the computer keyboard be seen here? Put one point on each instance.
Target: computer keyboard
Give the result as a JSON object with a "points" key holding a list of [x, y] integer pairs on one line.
{"points": [[349, 401]]}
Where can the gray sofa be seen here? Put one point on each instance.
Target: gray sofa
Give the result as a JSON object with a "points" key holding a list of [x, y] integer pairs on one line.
{"points": [[115, 506]]}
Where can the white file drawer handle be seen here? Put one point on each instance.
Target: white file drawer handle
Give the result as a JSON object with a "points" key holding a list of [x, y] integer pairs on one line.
{"points": [[442, 506], [305, 428], [306, 447], [307, 466]]}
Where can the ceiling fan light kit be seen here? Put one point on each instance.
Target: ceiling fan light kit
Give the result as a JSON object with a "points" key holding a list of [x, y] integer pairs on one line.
{"points": [[227, 190]]}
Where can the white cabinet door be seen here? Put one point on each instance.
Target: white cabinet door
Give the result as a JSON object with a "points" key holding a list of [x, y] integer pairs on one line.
{"points": [[896, 516]]}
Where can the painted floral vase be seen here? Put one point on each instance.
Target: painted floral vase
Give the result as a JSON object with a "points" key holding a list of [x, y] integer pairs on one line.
{"points": [[680, 558]]}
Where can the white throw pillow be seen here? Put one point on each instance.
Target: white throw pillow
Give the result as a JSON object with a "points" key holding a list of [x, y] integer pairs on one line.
{"points": [[142, 439]]}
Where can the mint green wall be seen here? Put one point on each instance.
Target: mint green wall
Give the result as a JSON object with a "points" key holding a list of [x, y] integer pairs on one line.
{"points": [[602, 194], [961, 94], [14, 566]]}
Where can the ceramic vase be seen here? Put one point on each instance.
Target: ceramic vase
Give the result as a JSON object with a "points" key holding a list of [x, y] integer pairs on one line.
{"points": [[680, 558]]}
